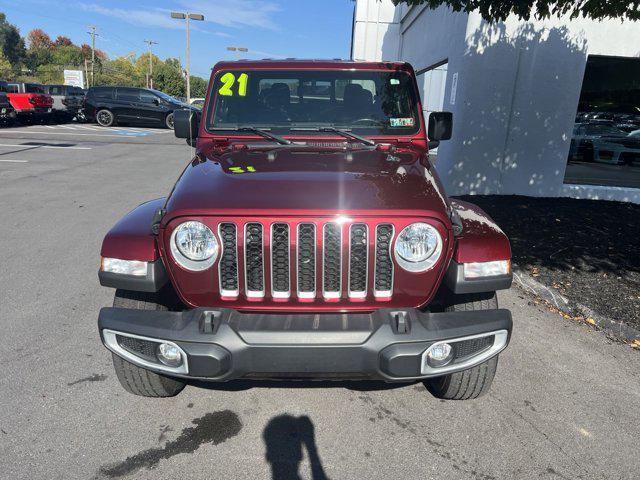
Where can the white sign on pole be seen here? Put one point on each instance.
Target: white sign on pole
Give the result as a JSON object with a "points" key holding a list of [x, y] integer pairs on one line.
{"points": [[74, 77], [454, 88]]}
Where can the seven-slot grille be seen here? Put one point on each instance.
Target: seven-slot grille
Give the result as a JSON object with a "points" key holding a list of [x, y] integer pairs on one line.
{"points": [[279, 244]]}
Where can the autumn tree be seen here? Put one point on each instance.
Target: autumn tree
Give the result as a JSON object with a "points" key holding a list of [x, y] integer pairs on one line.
{"points": [[38, 38], [523, 9], [62, 41]]}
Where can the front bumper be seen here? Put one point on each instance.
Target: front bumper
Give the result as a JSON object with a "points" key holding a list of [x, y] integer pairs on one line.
{"points": [[224, 344]]}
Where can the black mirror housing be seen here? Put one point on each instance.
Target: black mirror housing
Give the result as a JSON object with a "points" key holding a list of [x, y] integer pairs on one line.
{"points": [[440, 126], [186, 124]]}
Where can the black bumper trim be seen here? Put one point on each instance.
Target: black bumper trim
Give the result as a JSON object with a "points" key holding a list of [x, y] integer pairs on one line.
{"points": [[381, 353], [153, 281], [455, 281]]}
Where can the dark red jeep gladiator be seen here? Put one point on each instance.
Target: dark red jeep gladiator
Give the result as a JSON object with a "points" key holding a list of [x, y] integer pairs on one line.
{"points": [[308, 238]]}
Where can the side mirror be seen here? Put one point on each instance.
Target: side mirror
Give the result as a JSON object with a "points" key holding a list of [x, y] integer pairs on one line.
{"points": [[156, 101], [440, 127], [186, 124]]}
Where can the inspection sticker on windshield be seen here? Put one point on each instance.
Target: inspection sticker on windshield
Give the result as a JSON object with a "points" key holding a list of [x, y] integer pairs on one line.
{"points": [[402, 122]]}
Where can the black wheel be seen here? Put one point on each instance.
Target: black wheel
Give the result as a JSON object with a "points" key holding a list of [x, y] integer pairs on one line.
{"points": [[168, 121], [476, 381], [105, 118], [134, 379]]}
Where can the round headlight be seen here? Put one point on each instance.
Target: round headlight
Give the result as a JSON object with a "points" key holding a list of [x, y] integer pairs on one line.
{"points": [[418, 247], [194, 246]]}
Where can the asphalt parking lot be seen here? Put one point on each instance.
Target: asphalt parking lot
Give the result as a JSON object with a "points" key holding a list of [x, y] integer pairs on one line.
{"points": [[564, 404]]}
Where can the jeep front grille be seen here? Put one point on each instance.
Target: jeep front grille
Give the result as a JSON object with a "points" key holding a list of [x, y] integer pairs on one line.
{"points": [[312, 261]]}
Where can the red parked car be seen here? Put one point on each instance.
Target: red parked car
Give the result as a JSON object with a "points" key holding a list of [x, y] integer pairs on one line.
{"points": [[30, 101], [308, 238]]}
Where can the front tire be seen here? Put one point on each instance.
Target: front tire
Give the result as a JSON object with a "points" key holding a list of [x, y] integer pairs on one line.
{"points": [[136, 380], [105, 118], [476, 381]]}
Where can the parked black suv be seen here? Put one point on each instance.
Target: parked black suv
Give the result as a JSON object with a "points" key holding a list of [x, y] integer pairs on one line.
{"points": [[7, 112], [111, 105]]}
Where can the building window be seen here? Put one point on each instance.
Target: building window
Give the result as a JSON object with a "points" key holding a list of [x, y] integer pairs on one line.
{"points": [[432, 82], [605, 142]]}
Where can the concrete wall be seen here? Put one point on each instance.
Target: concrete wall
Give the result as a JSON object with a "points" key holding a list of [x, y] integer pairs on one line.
{"points": [[518, 85]]}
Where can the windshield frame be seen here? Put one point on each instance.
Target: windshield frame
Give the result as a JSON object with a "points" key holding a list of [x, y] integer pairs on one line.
{"points": [[287, 130]]}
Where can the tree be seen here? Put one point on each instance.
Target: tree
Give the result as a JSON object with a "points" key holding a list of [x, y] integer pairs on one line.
{"points": [[492, 10], [6, 70], [198, 86], [69, 55], [50, 74], [63, 41], [120, 71], [11, 43], [168, 78], [38, 38]]}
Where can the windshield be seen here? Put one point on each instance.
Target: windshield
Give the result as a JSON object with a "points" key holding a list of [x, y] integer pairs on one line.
{"points": [[33, 88], [366, 102]]}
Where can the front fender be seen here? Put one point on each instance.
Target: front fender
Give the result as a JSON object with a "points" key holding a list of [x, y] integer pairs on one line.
{"points": [[481, 240], [131, 238]]}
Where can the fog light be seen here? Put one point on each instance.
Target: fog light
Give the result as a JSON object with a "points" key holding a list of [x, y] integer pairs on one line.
{"points": [[169, 354], [439, 355]]}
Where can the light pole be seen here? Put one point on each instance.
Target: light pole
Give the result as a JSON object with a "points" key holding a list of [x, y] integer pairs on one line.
{"points": [[150, 81], [186, 16], [236, 50], [93, 49]]}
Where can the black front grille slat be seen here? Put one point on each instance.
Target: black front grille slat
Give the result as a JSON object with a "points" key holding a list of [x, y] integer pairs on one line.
{"points": [[358, 252], [254, 262], [307, 258], [332, 259], [280, 257], [229, 259], [353, 254], [384, 265]]}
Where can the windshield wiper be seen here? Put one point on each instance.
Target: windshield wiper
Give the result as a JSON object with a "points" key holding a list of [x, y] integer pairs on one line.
{"points": [[258, 131], [341, 132], [265, 134]]}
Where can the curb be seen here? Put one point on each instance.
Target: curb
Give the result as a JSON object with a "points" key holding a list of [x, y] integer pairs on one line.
{"points": [[618, 330]]}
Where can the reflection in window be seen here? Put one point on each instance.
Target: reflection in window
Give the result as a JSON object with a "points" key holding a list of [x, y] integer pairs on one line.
{"points": [[432, 83], [605, 142]]}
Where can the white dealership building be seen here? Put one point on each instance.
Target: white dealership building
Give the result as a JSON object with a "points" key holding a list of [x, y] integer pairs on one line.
{"points": [[541, 107]]}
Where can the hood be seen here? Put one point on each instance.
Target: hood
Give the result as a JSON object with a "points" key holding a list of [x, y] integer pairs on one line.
{"points": [[307, 180]]}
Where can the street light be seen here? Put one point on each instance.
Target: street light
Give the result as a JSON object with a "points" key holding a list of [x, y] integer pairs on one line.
{"points": [[187, 16], [236, 50]]}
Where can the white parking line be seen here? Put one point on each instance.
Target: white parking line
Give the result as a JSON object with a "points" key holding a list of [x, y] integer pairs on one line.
{"points": [[13, 161], [70, 147], [65, 133], [69, 127]]}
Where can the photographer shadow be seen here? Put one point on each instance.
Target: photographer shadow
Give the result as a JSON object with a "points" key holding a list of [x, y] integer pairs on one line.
{"points": [[285, 436]]}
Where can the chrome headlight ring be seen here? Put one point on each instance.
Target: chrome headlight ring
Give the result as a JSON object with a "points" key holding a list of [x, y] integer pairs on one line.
{"points": [[418, 247], [195, 238]]}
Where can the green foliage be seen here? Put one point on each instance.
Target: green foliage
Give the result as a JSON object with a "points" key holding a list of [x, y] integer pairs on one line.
{"points": [[120, 71], [11, 43], [523, 9], [5, 67], [168, 78], [50, 74], [68, 55], [198, 87]]}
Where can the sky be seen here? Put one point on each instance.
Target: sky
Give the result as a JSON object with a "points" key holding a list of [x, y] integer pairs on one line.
{"points": [[268, 28]]}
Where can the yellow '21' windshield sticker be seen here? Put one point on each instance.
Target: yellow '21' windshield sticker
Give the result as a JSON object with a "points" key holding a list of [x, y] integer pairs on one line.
{"points": [[229, 80]]}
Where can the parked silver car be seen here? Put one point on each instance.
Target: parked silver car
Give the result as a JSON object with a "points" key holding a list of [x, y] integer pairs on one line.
{"points": [[67, 101]]}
